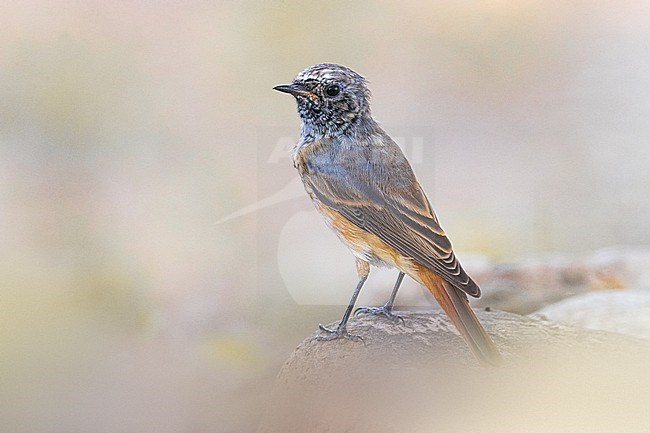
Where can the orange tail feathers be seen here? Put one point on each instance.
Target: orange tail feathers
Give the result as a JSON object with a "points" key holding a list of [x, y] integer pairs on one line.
{"points": [[456, 306]]}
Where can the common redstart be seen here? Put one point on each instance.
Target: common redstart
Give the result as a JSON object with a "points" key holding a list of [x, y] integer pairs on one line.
{"points": [[360, 181]]}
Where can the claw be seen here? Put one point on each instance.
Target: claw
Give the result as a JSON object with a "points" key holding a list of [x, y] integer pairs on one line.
{"points": [[386, 312], [339, 332]]}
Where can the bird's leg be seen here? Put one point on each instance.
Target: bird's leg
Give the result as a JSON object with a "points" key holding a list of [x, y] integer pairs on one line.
{"points": [[387, 309], [363, 269]]}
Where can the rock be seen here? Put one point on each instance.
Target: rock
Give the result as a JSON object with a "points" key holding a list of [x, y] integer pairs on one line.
{"points": [[420, 377], [623, 311], [526, 286]]}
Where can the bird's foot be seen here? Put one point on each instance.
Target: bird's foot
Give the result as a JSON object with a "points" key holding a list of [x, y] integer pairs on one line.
{"points": [[339, 332], [384, 311]]}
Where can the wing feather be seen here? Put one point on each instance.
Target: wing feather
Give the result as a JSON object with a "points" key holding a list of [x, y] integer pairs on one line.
{"points": [[401, 217]]}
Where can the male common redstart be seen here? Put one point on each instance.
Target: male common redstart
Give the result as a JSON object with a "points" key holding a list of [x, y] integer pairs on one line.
{"points": [[360, 181]]}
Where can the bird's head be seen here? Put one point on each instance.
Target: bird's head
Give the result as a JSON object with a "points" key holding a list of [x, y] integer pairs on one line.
{"points": [[331, 98]]}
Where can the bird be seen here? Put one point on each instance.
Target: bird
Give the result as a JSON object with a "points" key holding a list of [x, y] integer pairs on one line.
{"points": [[365, 189]]}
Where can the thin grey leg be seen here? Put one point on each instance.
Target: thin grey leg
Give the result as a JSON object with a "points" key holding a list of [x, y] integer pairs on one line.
{"points": [[341, 330], [387, 309]]}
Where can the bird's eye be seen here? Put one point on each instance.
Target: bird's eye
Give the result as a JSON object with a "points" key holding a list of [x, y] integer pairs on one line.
{"points": [[332, 90]]}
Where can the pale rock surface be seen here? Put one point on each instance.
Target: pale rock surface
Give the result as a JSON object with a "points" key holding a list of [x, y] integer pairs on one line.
{"points": [[623, 311], [420, 377]]}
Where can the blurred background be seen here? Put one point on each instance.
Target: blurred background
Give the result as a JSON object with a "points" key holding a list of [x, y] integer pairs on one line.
{"points": [[155, 244]]}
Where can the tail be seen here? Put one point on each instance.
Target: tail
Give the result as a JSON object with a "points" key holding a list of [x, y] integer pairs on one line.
{"points": [[455, 304]]}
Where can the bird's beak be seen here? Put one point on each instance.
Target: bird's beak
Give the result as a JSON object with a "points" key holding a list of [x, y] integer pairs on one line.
{"points": [[295, 90]]}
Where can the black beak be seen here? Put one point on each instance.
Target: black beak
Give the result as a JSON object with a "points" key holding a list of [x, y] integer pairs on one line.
{"points": [[295, 90]]}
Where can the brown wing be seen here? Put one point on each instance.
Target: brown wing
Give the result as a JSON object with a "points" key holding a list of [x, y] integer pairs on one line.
{"points": [[381, 195]]}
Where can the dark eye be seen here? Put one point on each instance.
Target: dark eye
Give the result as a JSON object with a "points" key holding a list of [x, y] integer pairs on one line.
{"points": [[332, 90]]}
